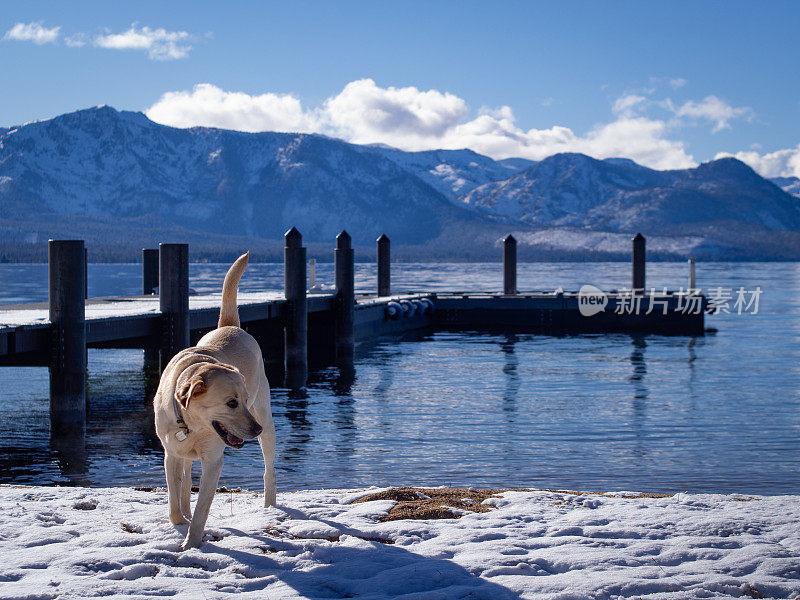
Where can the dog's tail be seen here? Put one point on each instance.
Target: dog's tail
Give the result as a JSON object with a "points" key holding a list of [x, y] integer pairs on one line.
{"points": [[229, 311]]}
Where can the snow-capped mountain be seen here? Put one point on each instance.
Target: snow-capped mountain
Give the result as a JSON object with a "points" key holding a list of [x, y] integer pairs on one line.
{"points": [[452, 172], [619, 195], [790, 185], [119, 180], [108, 164]]}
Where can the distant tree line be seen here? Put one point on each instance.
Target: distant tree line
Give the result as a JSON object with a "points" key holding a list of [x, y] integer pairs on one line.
{"points": [[23, 238]]}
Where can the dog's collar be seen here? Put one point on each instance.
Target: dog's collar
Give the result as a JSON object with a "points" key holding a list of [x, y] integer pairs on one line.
{"points": [[184, 430]]}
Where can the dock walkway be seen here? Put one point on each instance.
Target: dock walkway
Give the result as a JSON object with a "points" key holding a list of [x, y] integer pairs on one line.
{"points": [[136, 321]]}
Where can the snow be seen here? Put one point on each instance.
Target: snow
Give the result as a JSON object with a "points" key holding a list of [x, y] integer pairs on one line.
{"points": [[123, 307], [451, 172], [790, 185], [575, 240], [118, 543]]}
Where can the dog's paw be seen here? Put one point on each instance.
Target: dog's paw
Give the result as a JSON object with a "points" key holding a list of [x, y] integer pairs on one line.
{"points": [[178, 519], [189, 543]]}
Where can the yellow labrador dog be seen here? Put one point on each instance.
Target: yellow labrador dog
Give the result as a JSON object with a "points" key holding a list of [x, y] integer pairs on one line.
{"points": [[211, 396]]}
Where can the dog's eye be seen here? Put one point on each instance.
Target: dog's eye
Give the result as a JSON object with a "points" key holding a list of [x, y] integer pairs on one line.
{"points": [[232, 403]]}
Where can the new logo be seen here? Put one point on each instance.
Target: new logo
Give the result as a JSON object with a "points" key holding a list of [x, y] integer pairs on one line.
{"points": [[591, 300]]}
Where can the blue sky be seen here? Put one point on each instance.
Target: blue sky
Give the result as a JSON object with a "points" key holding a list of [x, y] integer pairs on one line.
{"points": [[668, 84]]}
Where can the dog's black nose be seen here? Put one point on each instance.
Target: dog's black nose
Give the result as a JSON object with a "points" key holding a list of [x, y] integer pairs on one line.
{"points": [[257, 429]]}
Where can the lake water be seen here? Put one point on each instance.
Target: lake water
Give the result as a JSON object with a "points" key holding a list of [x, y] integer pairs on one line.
{"points": [[715, 413]]}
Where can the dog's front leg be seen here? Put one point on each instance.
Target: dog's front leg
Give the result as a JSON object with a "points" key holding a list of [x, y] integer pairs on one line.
{"points": [[186, 490], [267, 442], [173, 468], [212, 467]]}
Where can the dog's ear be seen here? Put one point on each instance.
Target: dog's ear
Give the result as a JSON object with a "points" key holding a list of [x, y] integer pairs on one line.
{"points": [[192, 387], [230, 368]]}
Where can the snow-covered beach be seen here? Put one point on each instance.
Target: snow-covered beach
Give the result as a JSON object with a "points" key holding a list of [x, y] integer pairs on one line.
{"points": [[118, 543]]}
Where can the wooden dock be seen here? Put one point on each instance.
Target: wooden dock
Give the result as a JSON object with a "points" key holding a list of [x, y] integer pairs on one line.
{"points": [[135, 322], [293, 324]]}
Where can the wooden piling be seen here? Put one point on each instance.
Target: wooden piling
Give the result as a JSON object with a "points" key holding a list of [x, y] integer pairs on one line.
{"points": [[384, 266], [149, 271], [67, 294], [173, 299], [296, 322], [345, 297], [638, 263], [509, 265], [692, 275], [149, 286]]}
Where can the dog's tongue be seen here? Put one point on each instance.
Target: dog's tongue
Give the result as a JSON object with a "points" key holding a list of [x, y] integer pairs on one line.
{"points": [[234, 441]]}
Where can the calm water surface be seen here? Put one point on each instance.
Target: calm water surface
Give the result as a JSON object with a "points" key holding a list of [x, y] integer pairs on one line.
{"points": [[595, 412]]}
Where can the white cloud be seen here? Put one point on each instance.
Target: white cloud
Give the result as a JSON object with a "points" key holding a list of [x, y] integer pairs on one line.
{"points": [[714, 109], [32, 32], [413, 119], [364, 113], [781, 163], [628, 104], [77, 40], [641, 139], [209, 105], [418, 120], [502, 112], [634, 137], [160, 44], [673, 82]]}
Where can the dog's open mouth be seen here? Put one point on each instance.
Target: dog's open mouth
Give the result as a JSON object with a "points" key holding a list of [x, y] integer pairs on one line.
{"points": [[227, 437]]}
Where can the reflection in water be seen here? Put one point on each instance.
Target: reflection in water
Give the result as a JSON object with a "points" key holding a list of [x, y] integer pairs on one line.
{"points": [[118, 441], [150, 371], [345, 423], [384, 358], [510, 370], [296, 413], [640, 392], [151, 374], [385, 381], [692, 357], [345, 378], [344, 410], [147, 426], [68, 446], [120, 428]]}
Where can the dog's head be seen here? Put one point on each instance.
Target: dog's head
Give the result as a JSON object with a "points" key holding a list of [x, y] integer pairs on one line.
{"points": [[214, 396]]}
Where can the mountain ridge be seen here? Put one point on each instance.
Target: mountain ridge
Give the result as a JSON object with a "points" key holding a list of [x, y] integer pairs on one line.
{"points": [[576, 190], [790, 185], [118, 172]]}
